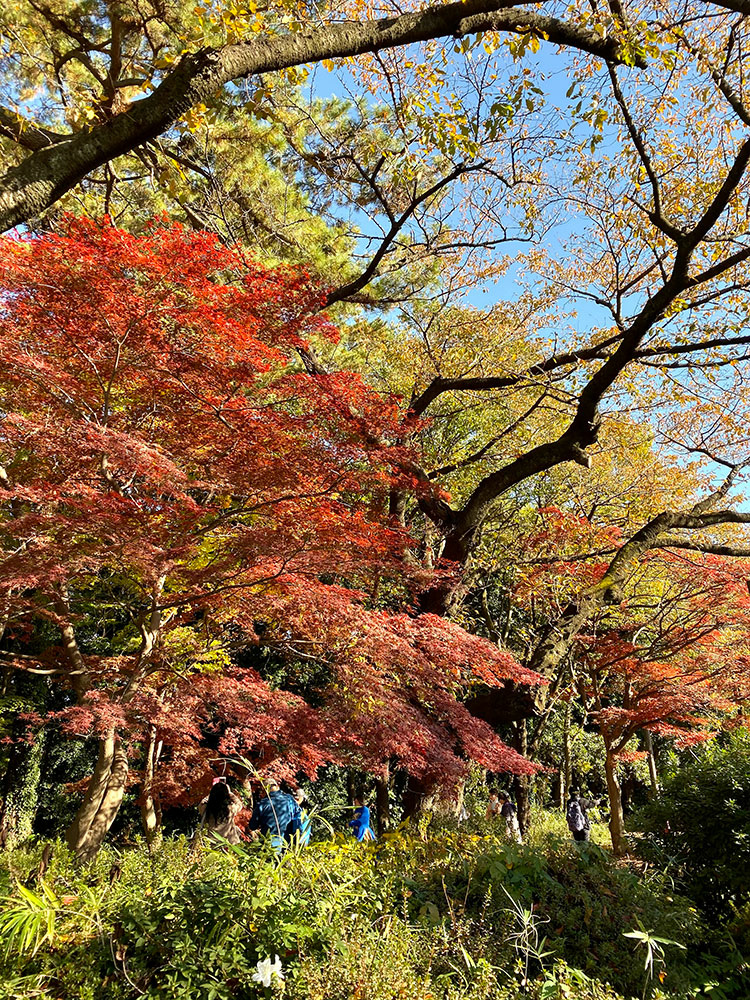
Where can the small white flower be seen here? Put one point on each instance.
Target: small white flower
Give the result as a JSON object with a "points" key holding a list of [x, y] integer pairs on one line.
{"points": [[267, 970]]}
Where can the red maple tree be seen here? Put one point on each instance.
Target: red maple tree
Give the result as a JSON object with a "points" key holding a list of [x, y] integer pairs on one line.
{"points": [[174, 491], [668, 657], [672, 660]]}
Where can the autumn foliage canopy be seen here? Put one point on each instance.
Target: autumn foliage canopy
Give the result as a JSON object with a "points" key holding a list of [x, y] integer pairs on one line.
{"points": [[179, 502], [670, 656]]}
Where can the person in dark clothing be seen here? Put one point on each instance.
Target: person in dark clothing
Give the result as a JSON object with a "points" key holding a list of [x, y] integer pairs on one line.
{"points": [[276, 814], [508, 813], [577, 817], [591, 809]]}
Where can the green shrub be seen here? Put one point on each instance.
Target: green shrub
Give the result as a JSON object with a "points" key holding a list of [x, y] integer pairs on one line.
{"points": [[457, 915], [706, 845]]}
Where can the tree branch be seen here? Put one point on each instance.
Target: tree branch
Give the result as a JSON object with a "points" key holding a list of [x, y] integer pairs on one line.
{"points": [[440, 385], [653, 535], [657, 216], [735, 551], [47, 174], [343, 292], [737, 6], [26, 133]]}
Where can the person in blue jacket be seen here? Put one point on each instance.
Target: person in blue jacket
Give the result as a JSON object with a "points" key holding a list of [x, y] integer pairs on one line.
{"points": [[306, 819], [360, 824], [278, 815]]}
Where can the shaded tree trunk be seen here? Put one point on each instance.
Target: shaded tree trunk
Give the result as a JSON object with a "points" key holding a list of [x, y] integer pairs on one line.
{"points": [[460, 791], [653, 774], [627, 790], [382, 800], [415, 797], [150, 804], [351, 787], [567, 771], [106, 788], [523, 784], [616, 817], [102, 799], [438, 598]]}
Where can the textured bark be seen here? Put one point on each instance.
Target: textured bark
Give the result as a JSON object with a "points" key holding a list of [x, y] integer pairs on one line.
{"points": [[108, 767], [616, 817], [382, 800], [50, 171], [150, 804], [109, 805], [652, 772]]}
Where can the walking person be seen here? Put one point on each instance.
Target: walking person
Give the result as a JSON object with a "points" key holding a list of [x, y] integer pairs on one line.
{"points": [[508, 813], [494, 806], [577, 818], [218, 814], [360, 823], [276, 814], [306, 819]]}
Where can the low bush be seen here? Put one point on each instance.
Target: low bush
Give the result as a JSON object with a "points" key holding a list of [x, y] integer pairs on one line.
{"points": [[452, 915], [699, 826]]}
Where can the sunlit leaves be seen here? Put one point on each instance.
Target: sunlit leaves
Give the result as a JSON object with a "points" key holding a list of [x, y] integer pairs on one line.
{"points": [[190, 495]]}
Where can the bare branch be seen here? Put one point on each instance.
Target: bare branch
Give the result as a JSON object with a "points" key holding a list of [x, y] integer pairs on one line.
{"points": [[735, 551], [343, 293], [440, 385], [657, 216]]}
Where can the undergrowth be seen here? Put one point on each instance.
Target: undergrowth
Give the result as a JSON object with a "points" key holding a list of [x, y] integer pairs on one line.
{"points": [[428, 914]]}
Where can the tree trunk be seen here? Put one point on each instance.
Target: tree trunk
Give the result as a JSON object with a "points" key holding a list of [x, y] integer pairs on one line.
{"points": [[567, 771], [351, 788], [150, 805], [416, 795], [460, 791], [627, 790], [523, 788], [652, 772], [382, 800], [101, 801], [523, 784], [559, 789], [439, 598], [616, 818], [106, 788]]}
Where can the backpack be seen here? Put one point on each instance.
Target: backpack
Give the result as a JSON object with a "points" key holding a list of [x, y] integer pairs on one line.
{"points": [[575, 818]]}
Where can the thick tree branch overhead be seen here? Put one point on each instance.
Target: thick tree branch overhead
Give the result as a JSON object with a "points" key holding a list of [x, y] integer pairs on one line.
{"points": [[49, 172]]}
